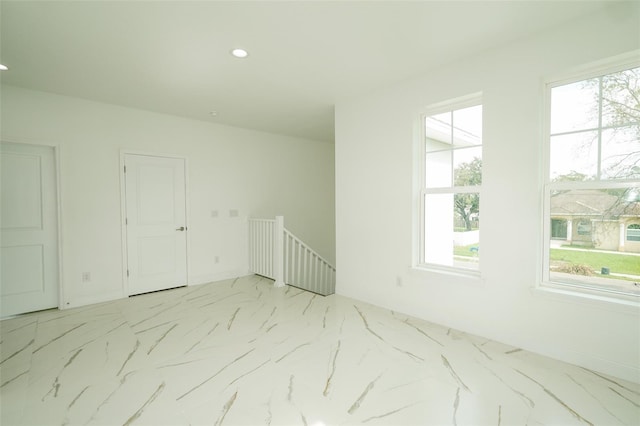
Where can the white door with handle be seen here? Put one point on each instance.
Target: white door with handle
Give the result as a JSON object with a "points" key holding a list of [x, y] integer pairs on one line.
{"points": [[156, 229], [29, 279]]}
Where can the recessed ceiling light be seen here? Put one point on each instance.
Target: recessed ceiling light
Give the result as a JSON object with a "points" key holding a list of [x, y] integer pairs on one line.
{"points": [[213, 113], [239, 53], [3, 67]]}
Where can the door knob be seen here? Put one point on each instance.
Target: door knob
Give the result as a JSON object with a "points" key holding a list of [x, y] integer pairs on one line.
{"points": [[182, 228]]}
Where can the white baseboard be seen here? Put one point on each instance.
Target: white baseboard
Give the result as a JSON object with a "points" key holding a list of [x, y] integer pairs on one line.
{"points": [[209, 278]]}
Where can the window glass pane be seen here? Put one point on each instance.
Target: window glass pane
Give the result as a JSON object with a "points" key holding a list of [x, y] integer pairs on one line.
{"points": [[574, 157], [590, 242], [467, 126], [438, 132], [620, 97], [466, 235], [574, 106], [621, 153], [467, 165], [438, 229], [438, 169], [452, 230], [633, 232]]}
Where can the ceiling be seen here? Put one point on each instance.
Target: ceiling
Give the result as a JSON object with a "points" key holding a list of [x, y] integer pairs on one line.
{"points": [[173, 56]]}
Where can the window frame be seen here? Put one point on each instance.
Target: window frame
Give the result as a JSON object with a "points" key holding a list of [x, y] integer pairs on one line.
{"points": [[546, 283], [471, 100]]}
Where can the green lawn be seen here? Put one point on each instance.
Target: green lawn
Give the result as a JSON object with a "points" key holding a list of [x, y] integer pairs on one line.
{"points": [[617, 263], [465, 250]]}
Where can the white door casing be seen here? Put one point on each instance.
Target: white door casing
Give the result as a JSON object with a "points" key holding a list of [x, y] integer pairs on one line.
{"points": [[155, 222], [29, 278]]}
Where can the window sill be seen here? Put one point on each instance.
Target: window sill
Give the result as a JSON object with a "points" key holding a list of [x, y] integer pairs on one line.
{"points": [[584, 295]]}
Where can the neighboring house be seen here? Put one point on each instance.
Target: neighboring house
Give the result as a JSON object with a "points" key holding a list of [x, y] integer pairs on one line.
{"points": [[596, 219]]}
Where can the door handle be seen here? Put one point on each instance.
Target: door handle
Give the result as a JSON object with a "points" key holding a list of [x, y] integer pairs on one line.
{"points": [[182, 228]]}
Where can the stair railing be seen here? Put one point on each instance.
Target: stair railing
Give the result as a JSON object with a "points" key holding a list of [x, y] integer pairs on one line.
{"points": [[274, 252]]}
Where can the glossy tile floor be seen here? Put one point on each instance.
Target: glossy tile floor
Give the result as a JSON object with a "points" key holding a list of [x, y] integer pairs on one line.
{"points": [[241, 352]]}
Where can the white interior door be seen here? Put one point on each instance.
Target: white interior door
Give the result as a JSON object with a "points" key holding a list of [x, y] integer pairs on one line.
{"points": [[155, 223], [29, 229]]}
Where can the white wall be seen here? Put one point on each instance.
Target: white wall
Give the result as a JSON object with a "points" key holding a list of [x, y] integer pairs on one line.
{"points": [[375, 203], [259, 174]]}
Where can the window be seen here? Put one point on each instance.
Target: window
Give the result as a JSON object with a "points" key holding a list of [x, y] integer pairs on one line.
{"points": [[584, 228], [559, 229], [592, 190], [450, 186]]}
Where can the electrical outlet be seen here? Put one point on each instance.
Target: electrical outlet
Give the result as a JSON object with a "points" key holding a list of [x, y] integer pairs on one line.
{"points": [[216, 259], [214, 213], [233, 213], [398, 281], [86, 277]]}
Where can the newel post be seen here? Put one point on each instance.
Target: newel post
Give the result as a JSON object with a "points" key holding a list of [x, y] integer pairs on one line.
{"points": [[278, 252]]}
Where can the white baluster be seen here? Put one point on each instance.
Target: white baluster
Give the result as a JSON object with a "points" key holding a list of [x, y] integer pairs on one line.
{"points": [[278, 252]]}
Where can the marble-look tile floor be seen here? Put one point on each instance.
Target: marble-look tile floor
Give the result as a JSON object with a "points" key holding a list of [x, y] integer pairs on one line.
{"points": [[241, 352]]}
